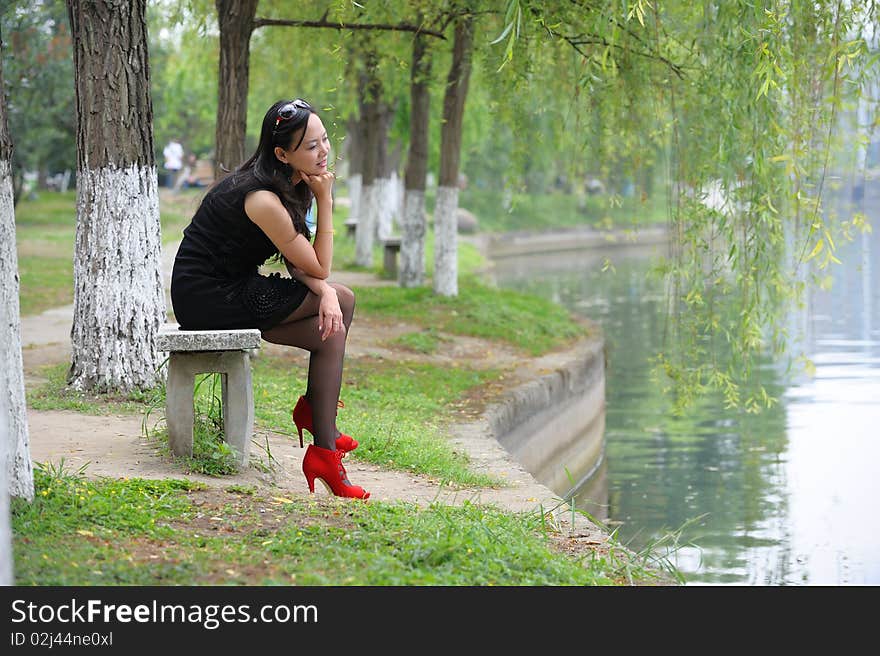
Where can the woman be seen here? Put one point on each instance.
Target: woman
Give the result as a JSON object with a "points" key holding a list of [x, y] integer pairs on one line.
{"points": [[256, 212]]}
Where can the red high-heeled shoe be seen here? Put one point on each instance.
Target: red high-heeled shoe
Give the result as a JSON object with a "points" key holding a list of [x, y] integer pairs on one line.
{"points": [[326, 465], [302, 418]]}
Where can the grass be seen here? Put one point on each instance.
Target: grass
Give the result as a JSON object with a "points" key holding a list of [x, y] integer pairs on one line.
{"points": [[45, 230], [401, 406], [53, 394], [531, 323], [425, 341], [542, 212], [81, 532]]}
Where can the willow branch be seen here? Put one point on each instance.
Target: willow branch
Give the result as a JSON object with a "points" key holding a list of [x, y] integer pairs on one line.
{"points": [[335, 25], [589, 39], [582, 40]]}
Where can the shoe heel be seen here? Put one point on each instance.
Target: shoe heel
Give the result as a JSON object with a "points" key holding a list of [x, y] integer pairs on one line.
{"points": [[326, 465]]}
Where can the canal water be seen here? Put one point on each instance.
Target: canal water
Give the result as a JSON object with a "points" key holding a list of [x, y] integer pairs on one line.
{"points": [[785, 497]]}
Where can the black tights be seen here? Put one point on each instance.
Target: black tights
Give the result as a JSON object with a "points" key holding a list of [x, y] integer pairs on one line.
{"points": [[325, 362]]}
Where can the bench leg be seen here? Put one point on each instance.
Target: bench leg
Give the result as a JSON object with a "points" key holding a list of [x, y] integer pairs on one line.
{"points": [[390, 262], [238, 403], [179, 405], [237, 398]]}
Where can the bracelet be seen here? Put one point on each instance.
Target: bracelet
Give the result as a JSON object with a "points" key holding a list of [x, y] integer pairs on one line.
{"points": [[325, 232]]}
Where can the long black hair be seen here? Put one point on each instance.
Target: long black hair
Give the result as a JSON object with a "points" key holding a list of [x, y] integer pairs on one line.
{"points": [[268, 169]]}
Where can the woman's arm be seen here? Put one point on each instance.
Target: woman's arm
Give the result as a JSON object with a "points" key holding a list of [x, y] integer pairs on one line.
{"points": [[329, 311], [318, 286], [265, 209]]}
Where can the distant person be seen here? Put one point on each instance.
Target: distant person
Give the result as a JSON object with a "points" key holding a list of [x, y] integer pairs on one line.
{"points": [[252, 214], [188, 177], [173, 154]]}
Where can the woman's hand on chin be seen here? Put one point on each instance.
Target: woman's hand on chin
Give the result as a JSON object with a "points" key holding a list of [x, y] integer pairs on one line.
{"points": [[321, 183]]}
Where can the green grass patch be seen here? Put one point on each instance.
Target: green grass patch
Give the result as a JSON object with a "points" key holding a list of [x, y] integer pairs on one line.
{"points": [[44, 283], [423, 341], [170, 532], [528, 322], [394, 409], [541, 212], [49, 209], [54, 394]]}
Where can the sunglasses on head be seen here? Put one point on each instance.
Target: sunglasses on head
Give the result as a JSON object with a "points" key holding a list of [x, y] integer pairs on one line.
{"points": [[290, 110]]}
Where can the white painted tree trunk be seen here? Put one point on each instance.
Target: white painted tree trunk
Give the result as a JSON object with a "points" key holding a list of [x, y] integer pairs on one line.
{"points": [[446, 242], [354, 196], [18, 470], [119, 302], [384, 208], [412, 241], [6, 569], [363, 249], [391, 206], [397, 209]]}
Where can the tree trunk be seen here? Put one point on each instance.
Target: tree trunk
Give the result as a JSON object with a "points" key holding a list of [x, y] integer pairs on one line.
{"points": [[354, 146], [383, 183], [119, 301], [445, 221], [371, 94], [15, 456], [236, 21], [412, 240], [6, 571]]}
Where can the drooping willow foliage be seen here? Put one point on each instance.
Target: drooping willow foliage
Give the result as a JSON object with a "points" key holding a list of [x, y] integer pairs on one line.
{"points": [[741, 102]]}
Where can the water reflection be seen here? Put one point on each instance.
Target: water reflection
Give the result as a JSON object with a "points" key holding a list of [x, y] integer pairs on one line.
{"points": [[783, 497]]}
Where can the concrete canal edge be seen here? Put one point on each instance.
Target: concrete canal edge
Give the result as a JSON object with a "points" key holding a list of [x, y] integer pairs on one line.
{"points": [[554, 425], [554, 420], [574, 239]]}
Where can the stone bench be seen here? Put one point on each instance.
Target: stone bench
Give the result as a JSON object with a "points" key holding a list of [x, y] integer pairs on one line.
{"points": [[226, 352], [351, 227], [391, 247]]}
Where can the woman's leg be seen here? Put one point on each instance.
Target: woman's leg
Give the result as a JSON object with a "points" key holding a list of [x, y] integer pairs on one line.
{"points": [[325, 362]]}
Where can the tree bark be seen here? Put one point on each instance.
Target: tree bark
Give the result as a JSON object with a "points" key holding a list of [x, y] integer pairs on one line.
{"points": [[6, 570], [445, 220], [384, 183], [371, 94], [412, 241], [355, 165], [236, 21], [119, 300], [15, 457]]}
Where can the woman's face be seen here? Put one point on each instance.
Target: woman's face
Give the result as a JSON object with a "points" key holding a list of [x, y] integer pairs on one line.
{"points": [[312, 154]]}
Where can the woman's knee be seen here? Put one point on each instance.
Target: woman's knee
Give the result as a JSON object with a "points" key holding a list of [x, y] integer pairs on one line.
{"points": [[336, 341], [346, 299]]}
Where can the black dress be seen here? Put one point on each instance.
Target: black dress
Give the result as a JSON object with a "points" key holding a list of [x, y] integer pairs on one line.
{"points": [[215, 283]]}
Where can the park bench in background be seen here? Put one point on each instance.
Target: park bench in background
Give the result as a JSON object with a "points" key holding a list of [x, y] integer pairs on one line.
{"points": [[391, 249], [226, 352], [390, 246]]}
